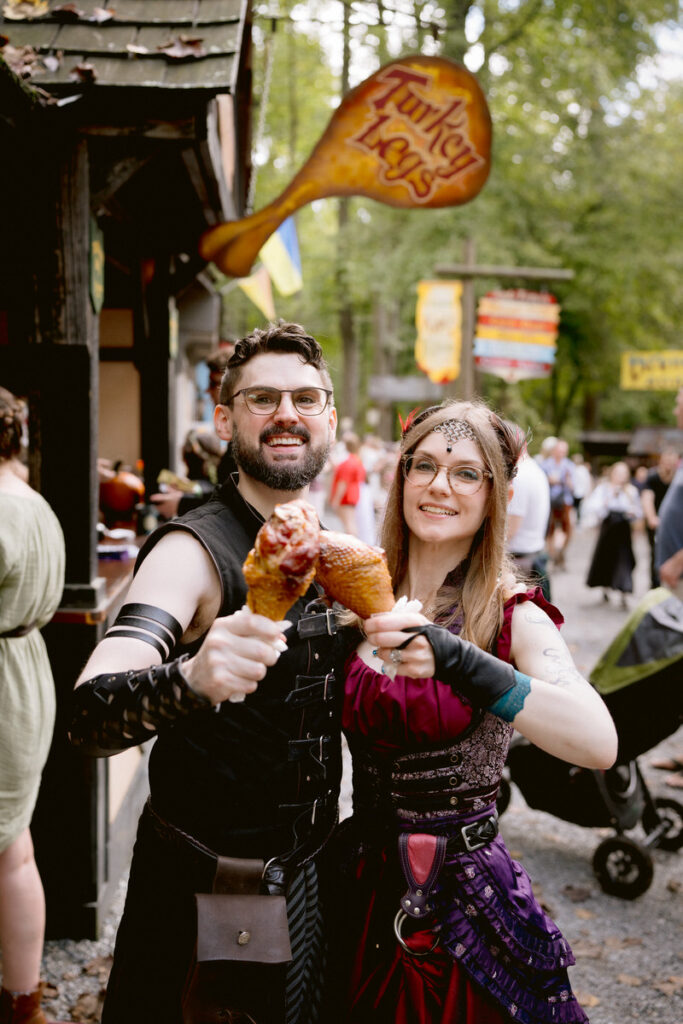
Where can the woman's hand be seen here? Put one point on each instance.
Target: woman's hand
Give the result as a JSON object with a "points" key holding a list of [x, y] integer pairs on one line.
{"points": [[236, 654], [384, 633]]}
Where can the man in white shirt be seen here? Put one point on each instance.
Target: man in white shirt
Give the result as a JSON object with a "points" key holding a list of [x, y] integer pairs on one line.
{"points": [[528, 513]]}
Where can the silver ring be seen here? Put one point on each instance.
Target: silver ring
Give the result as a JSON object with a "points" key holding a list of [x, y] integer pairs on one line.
{"points": [[395, 656]]}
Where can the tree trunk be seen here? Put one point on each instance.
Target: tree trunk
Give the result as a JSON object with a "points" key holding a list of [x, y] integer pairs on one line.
{"points": [[350, 356]]}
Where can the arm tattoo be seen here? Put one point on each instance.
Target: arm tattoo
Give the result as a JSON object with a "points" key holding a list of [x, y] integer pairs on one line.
{"points": [[559, 672]]}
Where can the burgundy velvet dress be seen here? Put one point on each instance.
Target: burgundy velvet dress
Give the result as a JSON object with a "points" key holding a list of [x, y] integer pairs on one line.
{"points": [[425, 762]]}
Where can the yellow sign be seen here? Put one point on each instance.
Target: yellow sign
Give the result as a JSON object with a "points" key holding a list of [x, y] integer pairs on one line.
{"points": [[438, 318], [652, 371], [415, 134]]}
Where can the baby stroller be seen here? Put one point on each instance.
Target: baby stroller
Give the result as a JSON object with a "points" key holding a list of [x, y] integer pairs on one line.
{"points": [[640, 678]]}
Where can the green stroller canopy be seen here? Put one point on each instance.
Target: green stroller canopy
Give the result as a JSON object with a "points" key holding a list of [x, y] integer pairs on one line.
{"points": [[651, 640]]}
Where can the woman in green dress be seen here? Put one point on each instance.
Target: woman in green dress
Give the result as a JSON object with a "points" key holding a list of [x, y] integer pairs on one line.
{"points": [[31, 584]]}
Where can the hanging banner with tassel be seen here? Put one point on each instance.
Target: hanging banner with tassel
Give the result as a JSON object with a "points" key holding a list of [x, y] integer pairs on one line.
{"points": [[438, 317]]}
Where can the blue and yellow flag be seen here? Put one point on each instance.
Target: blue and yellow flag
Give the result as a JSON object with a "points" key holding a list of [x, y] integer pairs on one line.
{"points": [[257, 288], [280, 256]]}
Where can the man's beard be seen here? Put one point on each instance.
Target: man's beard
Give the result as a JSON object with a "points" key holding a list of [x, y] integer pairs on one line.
{"points": [[281, 476]]}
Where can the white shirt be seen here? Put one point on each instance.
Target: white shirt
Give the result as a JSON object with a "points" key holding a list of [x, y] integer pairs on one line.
{"points": [[531, 501]]}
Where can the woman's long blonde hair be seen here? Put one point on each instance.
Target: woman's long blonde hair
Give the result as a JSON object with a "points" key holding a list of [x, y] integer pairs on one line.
{"points": [[477, 597]]}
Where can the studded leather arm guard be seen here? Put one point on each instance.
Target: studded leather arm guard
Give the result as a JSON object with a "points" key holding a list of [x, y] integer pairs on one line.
{"points": [[120, 710]]}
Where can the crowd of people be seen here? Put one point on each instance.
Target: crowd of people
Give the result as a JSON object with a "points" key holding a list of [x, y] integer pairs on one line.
{"points": [[412, 910]]}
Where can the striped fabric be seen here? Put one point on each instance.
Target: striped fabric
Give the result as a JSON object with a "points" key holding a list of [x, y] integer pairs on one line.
{"points": [[304, 974]]}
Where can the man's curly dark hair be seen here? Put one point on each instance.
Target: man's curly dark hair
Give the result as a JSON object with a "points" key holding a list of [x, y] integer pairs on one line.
{"points": [[276, 337]]}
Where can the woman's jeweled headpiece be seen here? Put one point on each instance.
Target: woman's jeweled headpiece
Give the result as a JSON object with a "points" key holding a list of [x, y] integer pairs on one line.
{"points": [[455, 430]]}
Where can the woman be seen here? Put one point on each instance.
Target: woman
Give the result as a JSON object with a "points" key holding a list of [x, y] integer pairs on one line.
{"points": [[616, 504], [429, 747], [31, 584]]}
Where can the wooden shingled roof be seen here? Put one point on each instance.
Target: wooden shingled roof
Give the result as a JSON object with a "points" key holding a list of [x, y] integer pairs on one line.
{"points": [[168, 44]]}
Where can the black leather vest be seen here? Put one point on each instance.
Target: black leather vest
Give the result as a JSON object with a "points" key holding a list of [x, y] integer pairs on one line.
{"points": [[259, 778]]}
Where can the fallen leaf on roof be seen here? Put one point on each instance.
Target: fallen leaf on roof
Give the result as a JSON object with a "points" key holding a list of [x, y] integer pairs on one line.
{"points": [[67, 12], [182, 48], [19, 10], [101, 14], [22, 60], [133, 48], [83, 72], [52, 62]]}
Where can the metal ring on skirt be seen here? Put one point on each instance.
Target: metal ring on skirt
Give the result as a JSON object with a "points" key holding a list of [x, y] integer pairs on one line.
{"points": [[398, 921]]}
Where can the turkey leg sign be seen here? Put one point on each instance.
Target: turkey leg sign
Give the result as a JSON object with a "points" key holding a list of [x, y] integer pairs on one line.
{"points": [[417, 133]]}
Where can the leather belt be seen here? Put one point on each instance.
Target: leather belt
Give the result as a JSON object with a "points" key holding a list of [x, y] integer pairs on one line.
{"points": [[19, 631], [474, 836], [319, 624], [274, 875]]}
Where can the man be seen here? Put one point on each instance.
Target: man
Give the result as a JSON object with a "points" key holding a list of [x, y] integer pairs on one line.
{"points": [[669, 539], [247, 760], [651, 497], [528, 513], [560, 472], [669, 562]]}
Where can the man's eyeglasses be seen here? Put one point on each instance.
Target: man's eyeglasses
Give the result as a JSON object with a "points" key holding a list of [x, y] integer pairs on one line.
{"points": [[266, 401], [421, 470]]}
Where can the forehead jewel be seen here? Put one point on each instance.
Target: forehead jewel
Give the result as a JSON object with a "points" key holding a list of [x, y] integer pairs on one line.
{"points": [[455, 430]]}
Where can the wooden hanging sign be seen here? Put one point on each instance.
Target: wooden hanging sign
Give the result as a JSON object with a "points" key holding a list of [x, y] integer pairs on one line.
{"points": [[416, 134]]}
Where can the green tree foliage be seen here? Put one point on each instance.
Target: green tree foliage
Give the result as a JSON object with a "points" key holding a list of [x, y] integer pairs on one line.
{"points": [[583, 177]]}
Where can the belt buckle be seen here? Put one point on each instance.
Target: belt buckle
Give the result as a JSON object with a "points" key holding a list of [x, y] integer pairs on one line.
{"points": [[476, 844], [331, 621]]}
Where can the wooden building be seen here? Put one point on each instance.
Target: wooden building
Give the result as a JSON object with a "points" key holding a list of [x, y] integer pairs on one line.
{"points": [[124, 133]]}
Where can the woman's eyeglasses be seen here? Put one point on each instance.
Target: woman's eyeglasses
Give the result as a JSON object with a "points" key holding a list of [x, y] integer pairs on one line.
{"points": [[266, 401], [420, 471]]}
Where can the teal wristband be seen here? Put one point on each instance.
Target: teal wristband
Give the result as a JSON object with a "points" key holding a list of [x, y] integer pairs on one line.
{"points": [[511, 703]]}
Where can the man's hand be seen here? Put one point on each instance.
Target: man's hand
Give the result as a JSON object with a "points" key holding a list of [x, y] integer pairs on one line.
{"points": [[167, 503], [235, 656], [670, 571]]}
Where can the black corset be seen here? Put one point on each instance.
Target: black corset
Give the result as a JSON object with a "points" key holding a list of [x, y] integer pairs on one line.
{"points": [[461, 778]]}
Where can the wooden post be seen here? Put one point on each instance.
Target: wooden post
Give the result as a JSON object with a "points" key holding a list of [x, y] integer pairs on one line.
{"points": [[466, 385], [67, 361], [156, 362], [468, 318]]}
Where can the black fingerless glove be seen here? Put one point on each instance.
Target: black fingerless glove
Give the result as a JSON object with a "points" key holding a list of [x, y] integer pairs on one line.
{"points": [[120, 710], [480, 677]]}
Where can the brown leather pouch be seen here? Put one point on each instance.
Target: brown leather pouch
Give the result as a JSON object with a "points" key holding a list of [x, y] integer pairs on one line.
{"points": [[242, 950]]}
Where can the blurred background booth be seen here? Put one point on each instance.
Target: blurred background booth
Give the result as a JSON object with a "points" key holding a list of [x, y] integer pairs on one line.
{"points": [[125, 133]]}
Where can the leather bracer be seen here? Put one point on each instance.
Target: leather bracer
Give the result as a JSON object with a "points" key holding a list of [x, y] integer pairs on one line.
{"points": [[119, 710]]}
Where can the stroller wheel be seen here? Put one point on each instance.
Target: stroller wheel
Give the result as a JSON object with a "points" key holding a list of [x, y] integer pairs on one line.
{"points": [[623, 868], [503, 797], [669, 812]]}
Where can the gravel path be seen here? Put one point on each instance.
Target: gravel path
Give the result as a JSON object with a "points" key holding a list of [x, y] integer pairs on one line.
{"points": [[629, 953]]}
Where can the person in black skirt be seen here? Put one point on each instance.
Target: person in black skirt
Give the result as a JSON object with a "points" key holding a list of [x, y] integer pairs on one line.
{"points": [[616, 504]]}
